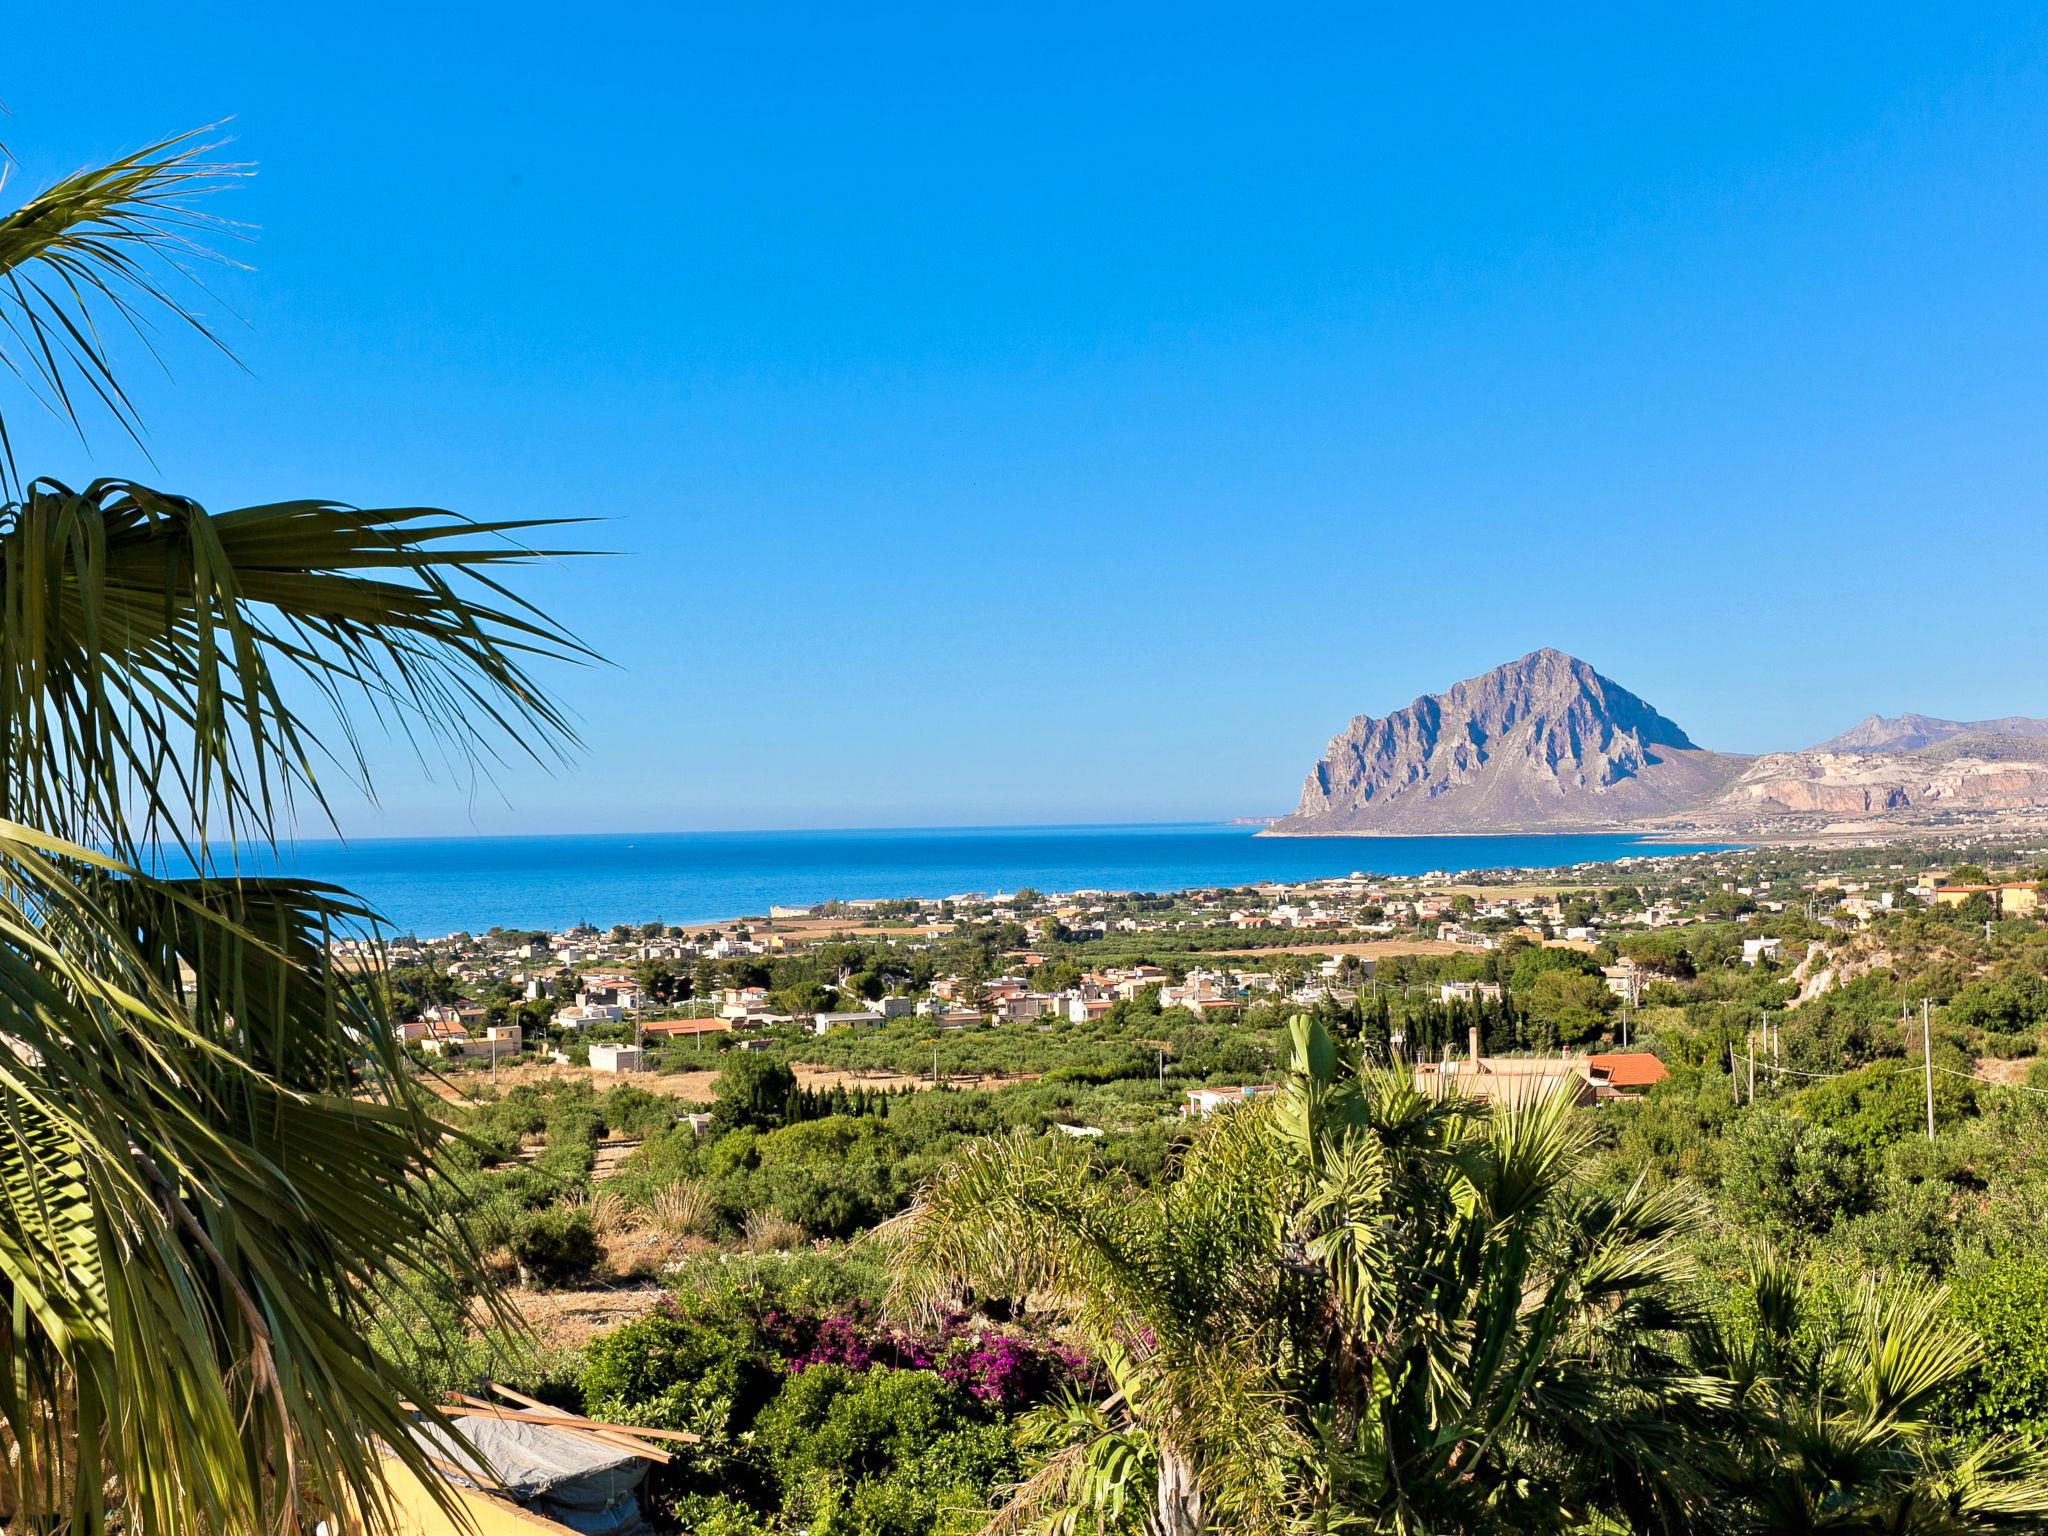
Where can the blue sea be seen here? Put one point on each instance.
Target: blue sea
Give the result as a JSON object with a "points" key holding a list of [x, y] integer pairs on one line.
{"points": [[435, 886]]}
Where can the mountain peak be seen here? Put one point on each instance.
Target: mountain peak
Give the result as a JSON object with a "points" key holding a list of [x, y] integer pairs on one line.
{"points": [[1540, 741]]}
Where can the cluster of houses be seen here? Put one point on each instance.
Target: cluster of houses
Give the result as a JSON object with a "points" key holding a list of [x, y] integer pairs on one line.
{"points": [[956, 1003], [1476, 918]]}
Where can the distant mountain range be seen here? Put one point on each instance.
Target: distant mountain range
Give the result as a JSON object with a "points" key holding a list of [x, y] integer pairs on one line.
{"points": [[1548, 744], [1909, 733]]}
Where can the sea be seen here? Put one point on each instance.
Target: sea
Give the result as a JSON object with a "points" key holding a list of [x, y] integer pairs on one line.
{"points": [[439, 885]]}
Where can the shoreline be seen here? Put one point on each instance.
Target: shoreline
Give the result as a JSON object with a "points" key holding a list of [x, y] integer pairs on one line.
{"points": [[428, 886]]}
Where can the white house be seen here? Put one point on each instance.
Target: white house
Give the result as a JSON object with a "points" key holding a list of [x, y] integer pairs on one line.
{"points": [[1754, 950], [501, 1040], [1206, 1101], [824, 1023], [615, 1058], [1625, 981]]}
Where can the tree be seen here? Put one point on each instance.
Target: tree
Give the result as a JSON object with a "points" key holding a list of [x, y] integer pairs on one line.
{"points": [[1789, 1176], [216, 1159], [805, 998], [659, 980], [1564, 1006], [752, 1091], [1533, 961], [1171, 1290]]}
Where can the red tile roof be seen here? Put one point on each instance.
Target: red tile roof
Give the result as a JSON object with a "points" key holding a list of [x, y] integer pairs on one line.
{"points": [[1629, 1069]]}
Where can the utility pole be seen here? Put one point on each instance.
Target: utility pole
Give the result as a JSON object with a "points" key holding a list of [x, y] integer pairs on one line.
{"points": [[1927, 1065], [1752, 1067]]}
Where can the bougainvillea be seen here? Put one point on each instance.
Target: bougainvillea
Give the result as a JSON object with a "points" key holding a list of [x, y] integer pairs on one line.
{"points": [[1002, 1369]]}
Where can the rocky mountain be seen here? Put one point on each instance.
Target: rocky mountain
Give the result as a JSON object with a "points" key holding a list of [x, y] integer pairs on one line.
{"points": [[1543, 743], [1909, 733], [1548, 744]]}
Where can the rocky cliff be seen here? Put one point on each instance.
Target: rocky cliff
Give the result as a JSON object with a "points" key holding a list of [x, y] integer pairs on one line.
{"points": [[1972, 773], [1543, 743]]}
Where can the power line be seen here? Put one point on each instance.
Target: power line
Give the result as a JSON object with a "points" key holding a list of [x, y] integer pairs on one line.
{"points": [[1968, 1077], [1988, 1082]]}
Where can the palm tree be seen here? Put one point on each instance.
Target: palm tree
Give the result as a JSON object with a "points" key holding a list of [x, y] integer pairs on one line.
{"points": [[1502, 1346], [212, 1156], [1837, 1391], [1355, 1304], [1175, 1291]]}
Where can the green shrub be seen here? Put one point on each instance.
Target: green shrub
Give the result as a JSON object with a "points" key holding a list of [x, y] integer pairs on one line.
{"points": [[630, 1110], [1874, 1107], [693, 1363], [716, 1514], [555, 1245], [1789, 1176], [2013, 1003], [664, 1158], [752, 1090], [2004, 1302], [880, 1452]]}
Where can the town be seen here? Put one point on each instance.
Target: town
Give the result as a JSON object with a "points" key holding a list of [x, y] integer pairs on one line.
{"points": [[654, 998]]}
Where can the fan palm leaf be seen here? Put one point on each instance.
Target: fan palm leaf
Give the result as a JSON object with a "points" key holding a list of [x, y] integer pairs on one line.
{"points": [[212, 1154], [1837, 1432], [106, 248]]}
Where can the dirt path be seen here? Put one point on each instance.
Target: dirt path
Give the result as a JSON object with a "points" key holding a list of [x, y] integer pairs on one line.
{"points": [[571, 1319]]}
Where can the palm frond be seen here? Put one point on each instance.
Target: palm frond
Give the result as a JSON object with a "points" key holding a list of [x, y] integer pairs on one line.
{"points": [[1013, 1215], [211, 1155], [150, 649], [1903, 1348], [104, 248]]}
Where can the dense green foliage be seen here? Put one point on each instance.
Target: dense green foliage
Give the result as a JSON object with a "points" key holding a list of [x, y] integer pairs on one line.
{"points": [[813, 1413]]}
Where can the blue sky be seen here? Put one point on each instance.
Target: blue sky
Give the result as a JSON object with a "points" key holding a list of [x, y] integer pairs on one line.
{"points": [[1078, 412]]}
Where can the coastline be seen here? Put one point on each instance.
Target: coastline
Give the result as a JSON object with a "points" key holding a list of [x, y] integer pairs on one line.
{"points": [[554, 882], [473, 884]]}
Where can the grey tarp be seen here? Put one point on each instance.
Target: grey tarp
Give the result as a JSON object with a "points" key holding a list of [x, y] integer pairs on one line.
{"points": [[567, 1477]]}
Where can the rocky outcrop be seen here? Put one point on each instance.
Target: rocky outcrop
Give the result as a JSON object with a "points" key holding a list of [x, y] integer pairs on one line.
{"points": [[1543, 743], [1960, 773]]}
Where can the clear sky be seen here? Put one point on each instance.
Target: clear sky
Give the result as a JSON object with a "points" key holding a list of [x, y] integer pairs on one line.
{"points": [[1077, 412]]}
